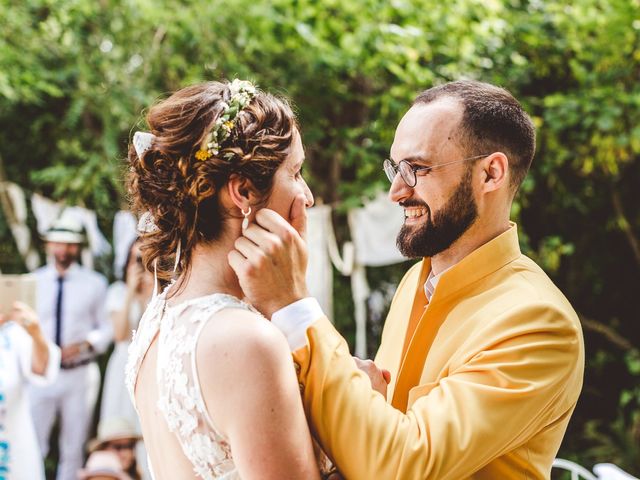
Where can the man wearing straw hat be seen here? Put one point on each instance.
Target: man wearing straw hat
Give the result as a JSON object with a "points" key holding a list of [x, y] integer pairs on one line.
{"points": [[71, 308]]}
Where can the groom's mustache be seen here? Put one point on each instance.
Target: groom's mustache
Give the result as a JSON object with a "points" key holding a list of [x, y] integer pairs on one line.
{"points": [[413, 203]]}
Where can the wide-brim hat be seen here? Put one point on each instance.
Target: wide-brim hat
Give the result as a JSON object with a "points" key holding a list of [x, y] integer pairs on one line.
{"points": [[103, 464], [65, 230], [111, 429]]}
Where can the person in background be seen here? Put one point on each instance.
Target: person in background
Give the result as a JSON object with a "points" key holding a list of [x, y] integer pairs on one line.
{"points": [[102, 465], [71, 308], [26, 356], [118, 435], [126, 301]]}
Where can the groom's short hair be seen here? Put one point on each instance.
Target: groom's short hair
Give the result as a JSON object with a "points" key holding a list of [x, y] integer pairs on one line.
{"points": [[492, 121]]}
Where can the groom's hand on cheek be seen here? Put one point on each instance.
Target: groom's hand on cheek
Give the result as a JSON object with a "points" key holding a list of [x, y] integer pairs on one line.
{"points": [[270, 259]]}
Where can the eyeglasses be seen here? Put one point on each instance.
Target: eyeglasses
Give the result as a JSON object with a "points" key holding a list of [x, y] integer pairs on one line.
{"points": [[408, 171], [120, 446]]}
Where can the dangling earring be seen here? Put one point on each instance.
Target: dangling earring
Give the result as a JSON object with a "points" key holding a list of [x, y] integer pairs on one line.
{"points": [[178, 251], [245, 221], [155, 277]]}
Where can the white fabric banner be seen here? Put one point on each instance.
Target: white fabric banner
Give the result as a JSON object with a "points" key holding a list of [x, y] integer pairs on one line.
{"points": [[124, 233], [374, 229], [19, 229], [319, 271]]}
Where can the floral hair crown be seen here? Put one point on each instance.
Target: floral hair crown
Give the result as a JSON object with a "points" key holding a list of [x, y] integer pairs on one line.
{"points": [[242, 92]]}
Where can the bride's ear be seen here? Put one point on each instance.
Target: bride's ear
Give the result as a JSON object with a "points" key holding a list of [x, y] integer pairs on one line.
{"points": [[241, 192]]}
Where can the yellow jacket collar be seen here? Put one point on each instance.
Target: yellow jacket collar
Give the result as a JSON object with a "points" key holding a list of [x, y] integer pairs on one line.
{"points": [[483, 261]]}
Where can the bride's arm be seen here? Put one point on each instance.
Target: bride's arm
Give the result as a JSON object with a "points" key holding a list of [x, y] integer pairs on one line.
{"points": [[251, 392]]}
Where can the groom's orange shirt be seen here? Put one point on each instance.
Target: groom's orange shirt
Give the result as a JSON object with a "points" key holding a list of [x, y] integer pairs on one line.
{"points": [[484, 379]]}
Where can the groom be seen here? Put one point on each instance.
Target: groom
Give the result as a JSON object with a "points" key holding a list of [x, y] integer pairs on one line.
{"points": [[486, 355]]}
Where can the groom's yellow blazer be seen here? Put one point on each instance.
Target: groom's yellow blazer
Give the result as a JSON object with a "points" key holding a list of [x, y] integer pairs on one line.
{"points": [[484, 378]]}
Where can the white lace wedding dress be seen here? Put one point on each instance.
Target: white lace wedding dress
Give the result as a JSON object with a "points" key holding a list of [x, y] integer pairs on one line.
{"points": [[179, 397]]}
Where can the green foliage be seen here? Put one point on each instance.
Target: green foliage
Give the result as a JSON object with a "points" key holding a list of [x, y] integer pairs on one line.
{"points": [[76, 76]]}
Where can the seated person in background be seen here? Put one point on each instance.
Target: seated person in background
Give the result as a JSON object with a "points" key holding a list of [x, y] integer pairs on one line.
{"points": [[119, 436], [102, 465], [25, 357]]}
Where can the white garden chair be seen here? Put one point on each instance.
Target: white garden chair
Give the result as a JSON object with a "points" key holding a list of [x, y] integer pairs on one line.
{"points": [[602, 471]]}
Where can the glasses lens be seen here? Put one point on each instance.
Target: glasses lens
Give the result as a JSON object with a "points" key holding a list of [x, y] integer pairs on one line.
{"points": [[390, 169], [408, 175]]}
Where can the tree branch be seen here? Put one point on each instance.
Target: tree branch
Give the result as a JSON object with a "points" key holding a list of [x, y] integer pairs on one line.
{"points": [[5, 201], [625, 225], [606, 331]]}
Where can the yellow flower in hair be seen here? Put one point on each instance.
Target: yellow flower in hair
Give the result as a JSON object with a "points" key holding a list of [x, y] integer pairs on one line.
{"points": [[241, 93], [203, 155]]}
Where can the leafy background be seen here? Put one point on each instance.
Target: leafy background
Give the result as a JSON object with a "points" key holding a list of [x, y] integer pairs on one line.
{"points": [[76, 77]]}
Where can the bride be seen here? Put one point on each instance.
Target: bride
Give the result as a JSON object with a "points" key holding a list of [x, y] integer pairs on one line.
{"points": [[212, 381]]}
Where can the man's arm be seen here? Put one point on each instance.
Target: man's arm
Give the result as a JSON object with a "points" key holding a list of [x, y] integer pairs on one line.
{"points": [[493, 403], [101, 334], [39, 358]]}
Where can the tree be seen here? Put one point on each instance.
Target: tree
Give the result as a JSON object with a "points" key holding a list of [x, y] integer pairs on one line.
{"points": [[76, 77]]}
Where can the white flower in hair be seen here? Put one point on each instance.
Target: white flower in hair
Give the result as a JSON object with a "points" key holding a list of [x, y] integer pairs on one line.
{"points": [[142, 142], [147, 224]]}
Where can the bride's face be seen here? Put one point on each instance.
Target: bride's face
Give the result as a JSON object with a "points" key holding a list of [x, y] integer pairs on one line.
{"points": [[288, 182]]}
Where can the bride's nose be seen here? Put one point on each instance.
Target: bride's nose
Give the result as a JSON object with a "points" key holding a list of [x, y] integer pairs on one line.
{"points": [[308, 196]]}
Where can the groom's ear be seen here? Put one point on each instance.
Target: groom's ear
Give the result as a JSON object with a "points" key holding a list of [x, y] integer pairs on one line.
{"points": [[241, 191]]}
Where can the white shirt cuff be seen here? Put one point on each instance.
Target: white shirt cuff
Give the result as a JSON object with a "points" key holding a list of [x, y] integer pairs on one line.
{"points": [[294, 319], [100, 339]]}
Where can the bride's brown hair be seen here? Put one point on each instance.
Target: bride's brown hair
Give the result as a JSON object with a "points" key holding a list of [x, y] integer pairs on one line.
{"points": [[179, 190]]}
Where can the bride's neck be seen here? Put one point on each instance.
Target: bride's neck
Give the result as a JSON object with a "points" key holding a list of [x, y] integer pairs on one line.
{"points": [[209, 272]]}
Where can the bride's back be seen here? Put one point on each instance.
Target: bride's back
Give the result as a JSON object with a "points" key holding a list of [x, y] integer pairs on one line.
{"points": [[158, 439], [163, 375]]}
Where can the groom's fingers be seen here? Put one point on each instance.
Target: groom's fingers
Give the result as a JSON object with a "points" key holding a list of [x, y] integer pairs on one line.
{"points": [[264, 239], [247, 248], [238, 263], [274, 223], [298, 215]]}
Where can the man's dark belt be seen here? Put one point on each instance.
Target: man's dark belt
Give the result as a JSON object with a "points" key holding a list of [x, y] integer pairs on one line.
{"points": [[76, 364]]}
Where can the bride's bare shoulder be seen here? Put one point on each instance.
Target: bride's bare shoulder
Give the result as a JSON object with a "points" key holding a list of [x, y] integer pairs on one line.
{"points": [[236, 329], [241, 356], [238, 343]]}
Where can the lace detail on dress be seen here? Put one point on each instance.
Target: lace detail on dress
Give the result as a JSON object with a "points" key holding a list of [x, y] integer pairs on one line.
{"points": [[180, 399]]}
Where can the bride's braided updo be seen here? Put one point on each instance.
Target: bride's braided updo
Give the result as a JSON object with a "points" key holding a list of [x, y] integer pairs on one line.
{"points": [[179, 190]]}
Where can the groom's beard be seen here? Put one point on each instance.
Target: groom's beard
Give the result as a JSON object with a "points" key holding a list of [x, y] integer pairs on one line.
{"points": [[444, 227]]}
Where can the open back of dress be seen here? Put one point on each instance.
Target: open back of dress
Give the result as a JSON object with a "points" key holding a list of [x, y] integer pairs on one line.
{"points": [[162, 379]]}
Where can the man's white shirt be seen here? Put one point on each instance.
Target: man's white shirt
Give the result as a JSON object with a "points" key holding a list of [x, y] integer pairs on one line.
{"points": [[84, 315]]}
